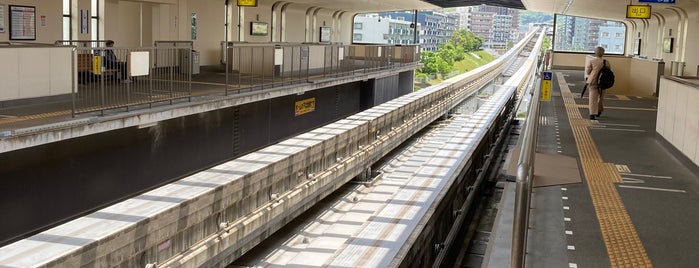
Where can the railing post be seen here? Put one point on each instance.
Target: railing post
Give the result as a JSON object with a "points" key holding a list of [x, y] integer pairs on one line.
{"points": [[74, 77]]}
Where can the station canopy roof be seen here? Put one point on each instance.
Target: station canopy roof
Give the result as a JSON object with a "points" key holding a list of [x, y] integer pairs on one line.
{"points": [[603, 9]]}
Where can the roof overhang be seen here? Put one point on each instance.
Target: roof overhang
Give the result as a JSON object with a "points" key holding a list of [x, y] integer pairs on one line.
{"points": [[459, 3]]}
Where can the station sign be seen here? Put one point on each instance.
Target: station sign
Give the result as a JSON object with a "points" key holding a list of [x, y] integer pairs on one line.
{"points": [[97, 64], [247, 3], [637, 12], [305, 106], [658, 1], [546, 86]]}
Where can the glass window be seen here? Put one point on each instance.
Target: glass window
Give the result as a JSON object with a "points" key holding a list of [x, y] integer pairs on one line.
{"points": [[94, 20], [578, 34], [66, 7], [357, 37], [66, 28], [66, 19], [390, 27]]}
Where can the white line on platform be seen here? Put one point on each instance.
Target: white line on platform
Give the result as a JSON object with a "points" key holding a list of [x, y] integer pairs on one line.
{"points": [[654, 189], [647, 176], [566, 219], [566, 208], [632, 180], [618, 129], [623, 125], [572, 265], [571, 247], [564, 189], [569, 232], [565, 198]]}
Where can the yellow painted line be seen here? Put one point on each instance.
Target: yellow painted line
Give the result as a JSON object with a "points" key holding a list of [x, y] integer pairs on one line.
{"points": [[624, 247], [7, 120], [619, 108]]}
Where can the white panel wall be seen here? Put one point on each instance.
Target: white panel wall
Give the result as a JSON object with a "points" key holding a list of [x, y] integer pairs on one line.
{"points": [[678, 121], [643, 85], [34, 72], [691, 131], [9, 73], [61, 76]]}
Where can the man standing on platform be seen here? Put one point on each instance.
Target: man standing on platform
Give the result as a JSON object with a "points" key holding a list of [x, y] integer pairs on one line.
{"points": [[592, 70]]}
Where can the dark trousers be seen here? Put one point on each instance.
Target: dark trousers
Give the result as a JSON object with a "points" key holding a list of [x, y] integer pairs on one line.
{"points": [[121, 66]]}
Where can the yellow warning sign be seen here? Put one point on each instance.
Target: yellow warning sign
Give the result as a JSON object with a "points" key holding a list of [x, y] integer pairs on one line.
{"points": [[545, 90], [247, 3], [97, 64], [305, 106]]}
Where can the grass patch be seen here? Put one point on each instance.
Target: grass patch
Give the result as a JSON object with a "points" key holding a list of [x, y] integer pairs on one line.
{"points": [[467, 64]]}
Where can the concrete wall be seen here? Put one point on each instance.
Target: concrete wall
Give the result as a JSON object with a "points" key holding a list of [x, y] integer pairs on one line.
{"points": [[620, 65], [642, 82], [53, 12]]}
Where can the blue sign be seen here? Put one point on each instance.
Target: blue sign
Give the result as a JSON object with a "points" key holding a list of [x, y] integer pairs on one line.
{"points": [[657, 1], [547, 76]]}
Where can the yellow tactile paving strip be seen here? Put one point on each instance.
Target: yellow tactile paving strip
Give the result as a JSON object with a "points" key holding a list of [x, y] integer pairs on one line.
{"points": [[618, 108], [7, 120], [623, 244]]}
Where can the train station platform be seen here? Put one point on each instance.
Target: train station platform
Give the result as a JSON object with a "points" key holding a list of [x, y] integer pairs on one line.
{"points": [[634, 205]]}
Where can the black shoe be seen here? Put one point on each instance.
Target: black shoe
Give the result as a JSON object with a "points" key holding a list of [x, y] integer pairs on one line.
{"points": [[599, 114], [592, 117]]}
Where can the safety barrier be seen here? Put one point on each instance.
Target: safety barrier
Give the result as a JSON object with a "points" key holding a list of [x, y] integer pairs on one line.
{"points": [[111, 78], [257, 66]]}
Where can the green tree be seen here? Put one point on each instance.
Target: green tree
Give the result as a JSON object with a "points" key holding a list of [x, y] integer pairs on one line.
{"points": [[466, 40], [432, 63]]}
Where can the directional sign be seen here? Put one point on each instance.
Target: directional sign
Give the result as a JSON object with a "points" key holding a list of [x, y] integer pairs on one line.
{"points": [[547, 76], [658, 1], [546, 87], [638, 12]]}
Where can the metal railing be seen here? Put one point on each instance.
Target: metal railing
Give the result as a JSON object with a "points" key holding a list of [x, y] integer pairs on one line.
{"points": [[82, 43], [103, 84], [258, 66], [110, 85], [525, 174]]}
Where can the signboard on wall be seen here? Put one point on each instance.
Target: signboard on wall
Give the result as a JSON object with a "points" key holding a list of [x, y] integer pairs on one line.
{"points": [[84, 21], [325, 33], [22, 23], [304, 106], [546, 86], [194, 26], [637, 12], [247, 3]]}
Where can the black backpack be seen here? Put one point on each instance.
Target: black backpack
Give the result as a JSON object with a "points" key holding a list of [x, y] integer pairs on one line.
{"points": [[605, 78]]}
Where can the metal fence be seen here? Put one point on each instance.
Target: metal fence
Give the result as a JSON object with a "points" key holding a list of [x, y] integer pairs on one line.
{"points": [[257, 66], [137, 77], [165, 73]]}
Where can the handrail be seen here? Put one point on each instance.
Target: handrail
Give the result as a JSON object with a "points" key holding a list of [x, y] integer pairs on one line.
{"points": [[525, 174]]}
